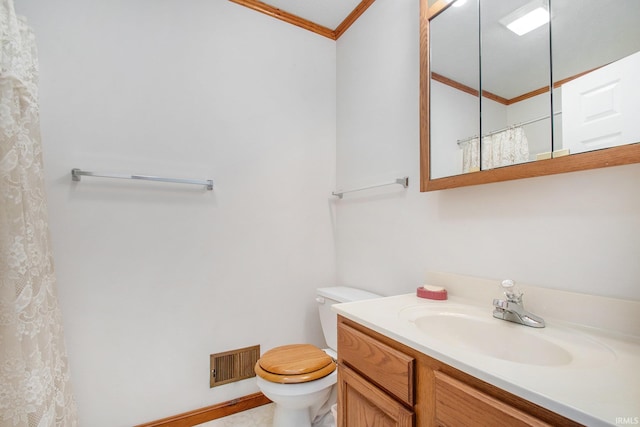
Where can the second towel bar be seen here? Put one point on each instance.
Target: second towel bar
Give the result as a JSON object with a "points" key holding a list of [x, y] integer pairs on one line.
{"points": [[404, 181]]}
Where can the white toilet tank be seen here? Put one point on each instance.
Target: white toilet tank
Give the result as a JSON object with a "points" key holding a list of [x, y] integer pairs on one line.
{"points": [[326, 297]]}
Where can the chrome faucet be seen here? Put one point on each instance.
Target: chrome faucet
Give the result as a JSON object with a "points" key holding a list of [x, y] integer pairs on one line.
{"points": [[512, 309]]}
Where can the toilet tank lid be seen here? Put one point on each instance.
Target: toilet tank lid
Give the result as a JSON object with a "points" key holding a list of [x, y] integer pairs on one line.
{"points": [[345, 293]]}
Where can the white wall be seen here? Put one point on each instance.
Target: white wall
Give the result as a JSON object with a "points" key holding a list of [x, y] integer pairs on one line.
{"points": [[578, 231], [154, 277]]}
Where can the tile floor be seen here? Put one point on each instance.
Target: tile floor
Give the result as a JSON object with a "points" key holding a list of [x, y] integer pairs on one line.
{"points": [[262, 416]]}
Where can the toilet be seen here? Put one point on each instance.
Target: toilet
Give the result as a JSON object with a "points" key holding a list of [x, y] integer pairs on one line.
{"points": [[299, 378]]}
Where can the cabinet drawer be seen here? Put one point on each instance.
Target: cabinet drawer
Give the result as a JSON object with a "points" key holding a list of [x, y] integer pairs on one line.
{"points": [[387, 367], [459, 404]]}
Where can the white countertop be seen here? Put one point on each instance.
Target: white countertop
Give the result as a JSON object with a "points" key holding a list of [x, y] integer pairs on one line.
{"points": [[601, 395]]}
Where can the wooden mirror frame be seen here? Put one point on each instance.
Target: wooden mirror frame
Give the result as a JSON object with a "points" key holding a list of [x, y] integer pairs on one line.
{"points": [[614, 156]]}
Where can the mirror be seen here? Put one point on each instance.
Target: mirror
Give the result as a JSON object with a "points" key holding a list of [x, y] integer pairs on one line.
{"points": [[454, 87], [516, 76], [596, 62], [520, 128]]}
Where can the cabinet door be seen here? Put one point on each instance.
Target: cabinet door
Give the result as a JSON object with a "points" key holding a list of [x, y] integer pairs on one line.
{"points": [[361, 404]]}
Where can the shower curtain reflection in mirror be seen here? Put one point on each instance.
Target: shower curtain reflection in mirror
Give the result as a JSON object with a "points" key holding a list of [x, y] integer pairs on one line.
{"points": [[508, 147]]}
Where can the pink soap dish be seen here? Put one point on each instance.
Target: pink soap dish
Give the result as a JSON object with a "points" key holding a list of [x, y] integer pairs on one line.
{"points": [[432, 292]]}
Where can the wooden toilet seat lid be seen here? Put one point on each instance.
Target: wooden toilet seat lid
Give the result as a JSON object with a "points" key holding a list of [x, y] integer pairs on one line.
{"points": [[295, 363]]}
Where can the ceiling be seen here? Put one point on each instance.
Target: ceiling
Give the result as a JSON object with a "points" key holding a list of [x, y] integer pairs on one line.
{"points": [[328, 13], [587, 34]]}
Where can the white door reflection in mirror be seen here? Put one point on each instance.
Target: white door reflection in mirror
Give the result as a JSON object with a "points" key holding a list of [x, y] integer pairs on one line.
{"points": [[601, 108]]}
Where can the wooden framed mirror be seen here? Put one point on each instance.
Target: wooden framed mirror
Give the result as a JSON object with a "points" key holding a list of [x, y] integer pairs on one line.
{"points": [[565, 88]]}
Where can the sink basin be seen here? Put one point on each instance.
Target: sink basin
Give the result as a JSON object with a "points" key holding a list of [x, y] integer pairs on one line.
{"points": [[475, 330], [497, 341]]}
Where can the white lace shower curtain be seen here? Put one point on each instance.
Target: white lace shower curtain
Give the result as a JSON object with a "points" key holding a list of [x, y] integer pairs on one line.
{"points": [[34, 379], [504, 148]]}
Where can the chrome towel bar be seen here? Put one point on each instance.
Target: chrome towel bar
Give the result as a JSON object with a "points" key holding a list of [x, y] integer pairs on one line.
{"points": [[76, 173], [404, 181]]}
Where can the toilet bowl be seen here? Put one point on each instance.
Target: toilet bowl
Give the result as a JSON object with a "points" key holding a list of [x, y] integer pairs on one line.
{"points": [[302, 385], [300, 378]]}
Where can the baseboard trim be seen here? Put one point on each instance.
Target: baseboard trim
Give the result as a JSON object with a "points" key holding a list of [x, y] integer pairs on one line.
{"points": [[209, 413]]}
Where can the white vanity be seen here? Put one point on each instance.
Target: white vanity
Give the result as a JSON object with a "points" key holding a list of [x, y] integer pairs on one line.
{"points": [[409, 361]]}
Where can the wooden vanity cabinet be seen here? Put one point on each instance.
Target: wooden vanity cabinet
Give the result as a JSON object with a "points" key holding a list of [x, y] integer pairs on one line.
{"points": [[383, 383], [375, 382]]}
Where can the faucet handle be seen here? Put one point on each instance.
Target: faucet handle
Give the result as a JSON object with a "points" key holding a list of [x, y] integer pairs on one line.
{"points": [[508, 285]]}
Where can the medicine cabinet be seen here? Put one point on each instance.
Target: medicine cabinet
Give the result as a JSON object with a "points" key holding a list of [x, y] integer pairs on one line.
{"points": [[499, 102]]}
